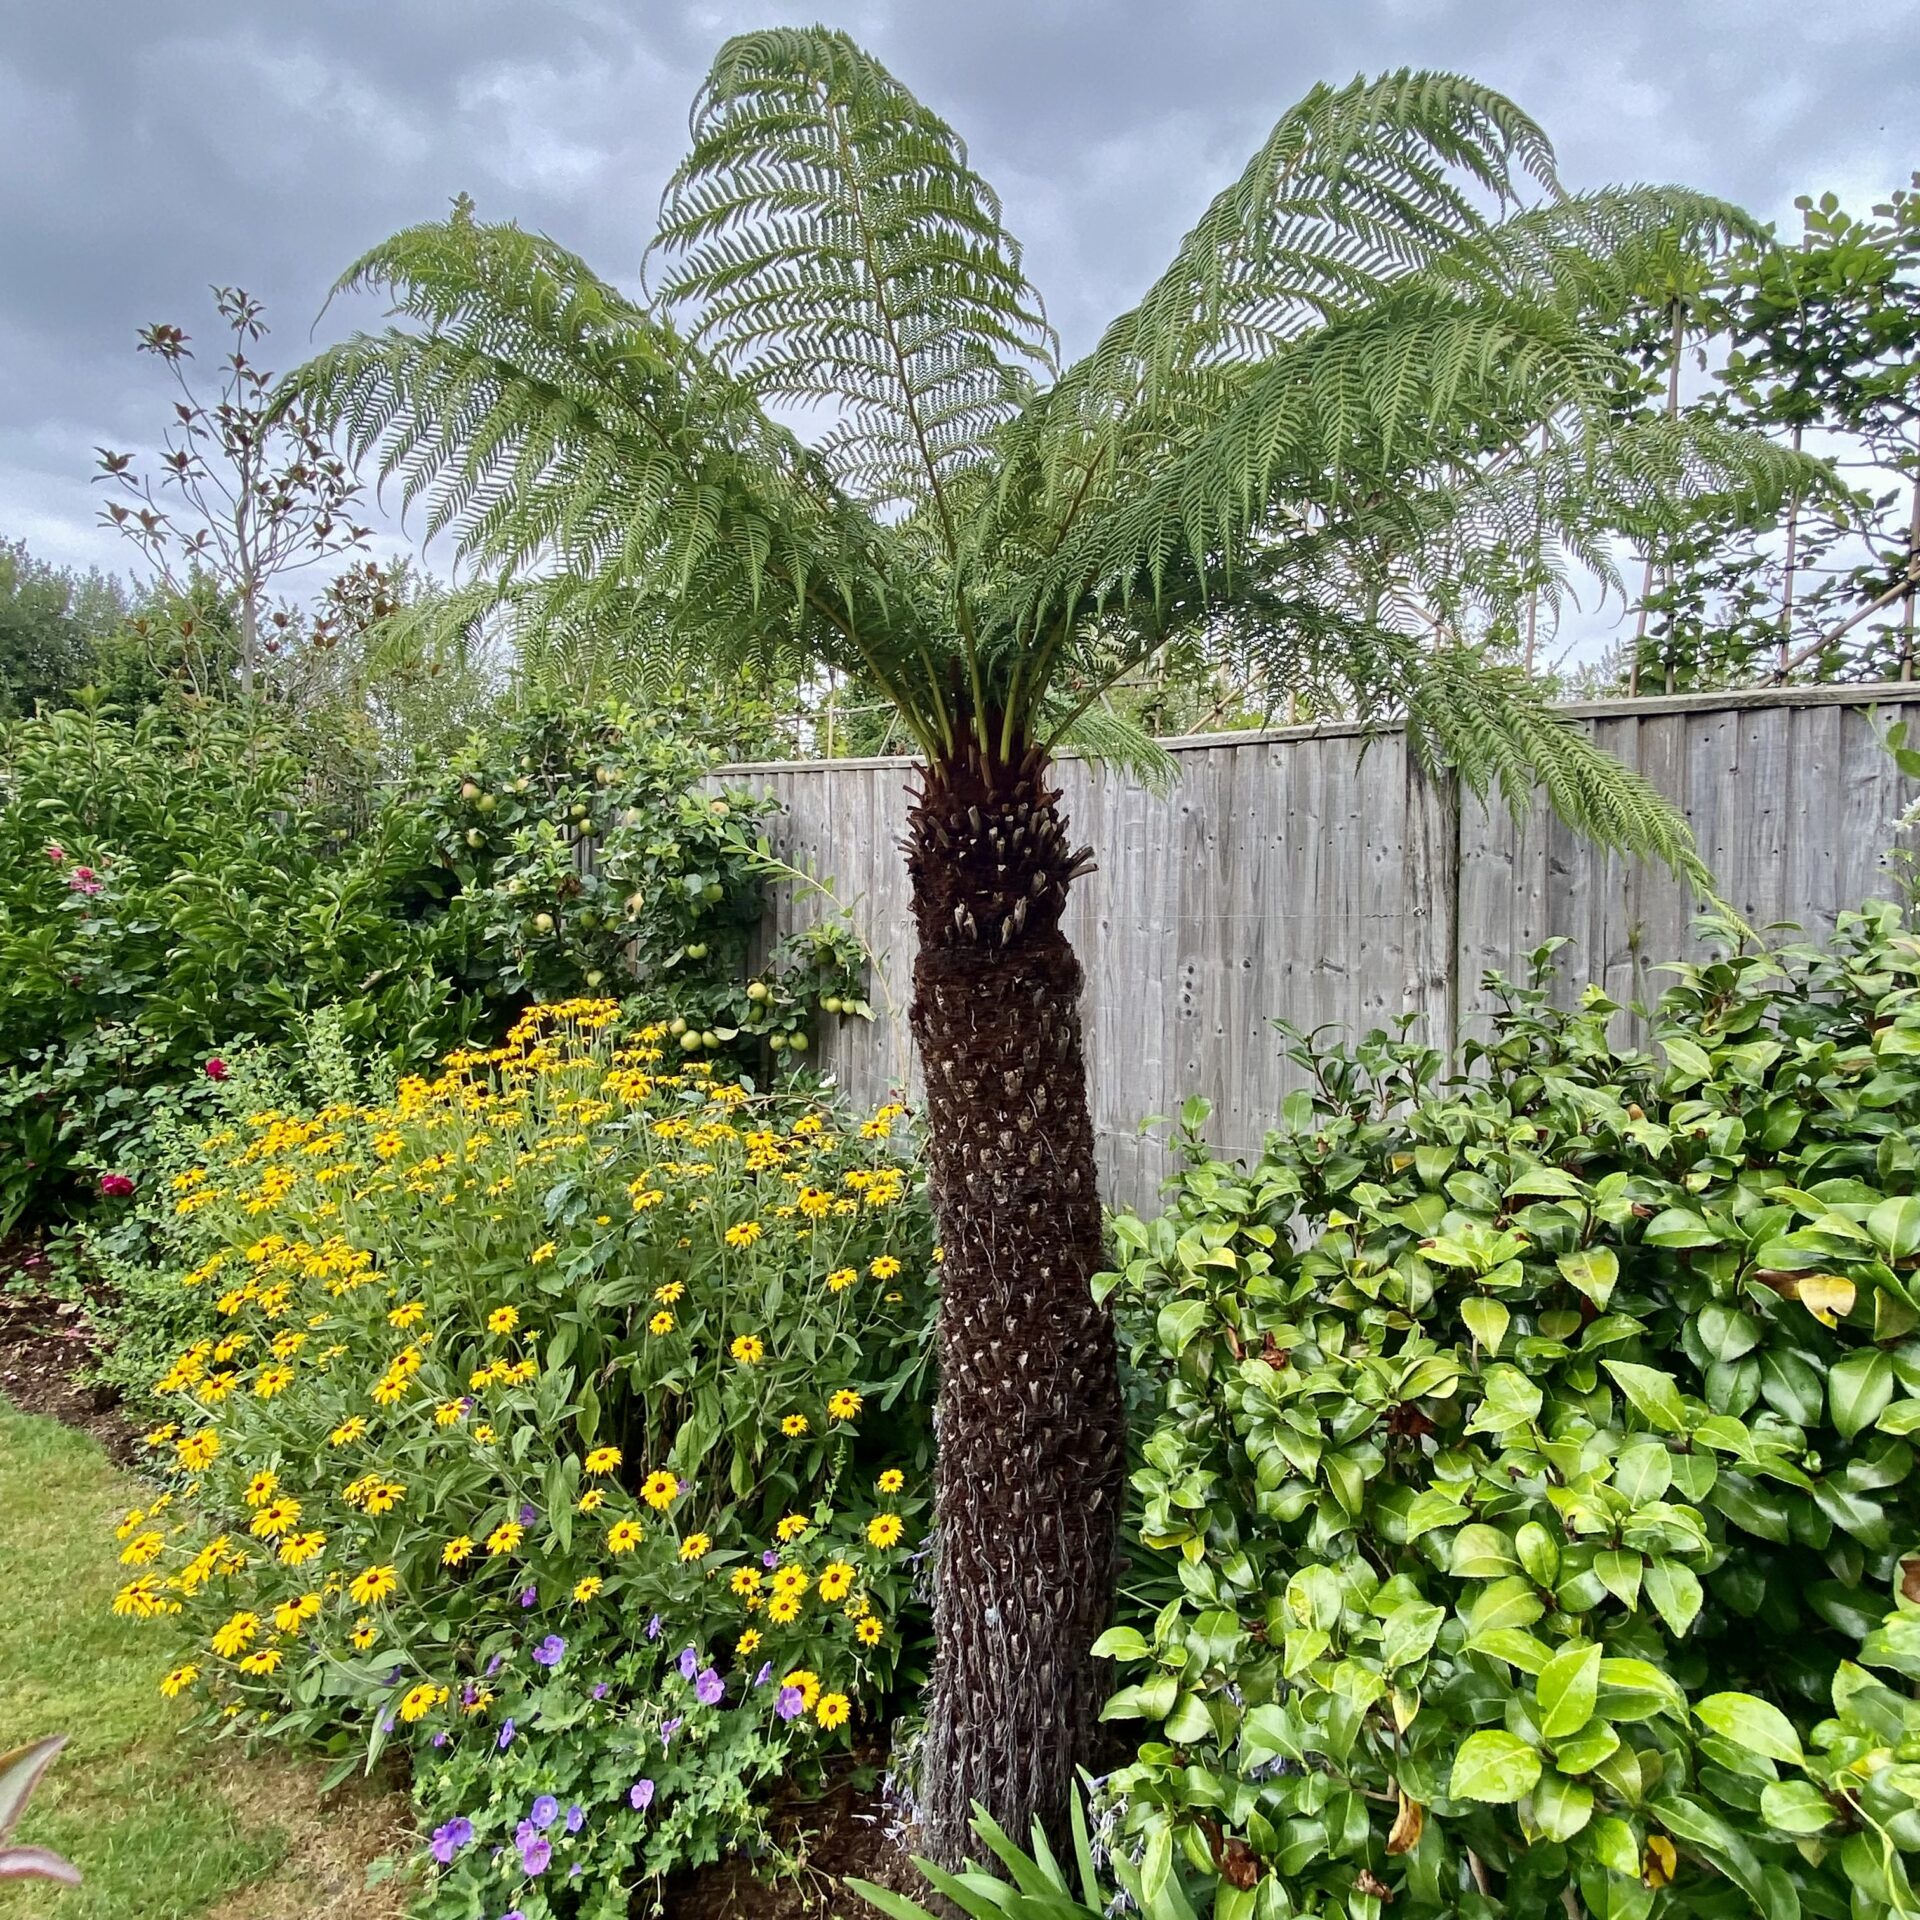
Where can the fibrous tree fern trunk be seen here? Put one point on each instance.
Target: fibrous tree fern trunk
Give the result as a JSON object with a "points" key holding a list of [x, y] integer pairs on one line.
{"points": [[1030, 1428]]}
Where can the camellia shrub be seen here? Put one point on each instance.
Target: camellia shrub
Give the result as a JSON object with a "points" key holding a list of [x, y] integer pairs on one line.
{"points": [[565, 1424], [1528, 1515]]}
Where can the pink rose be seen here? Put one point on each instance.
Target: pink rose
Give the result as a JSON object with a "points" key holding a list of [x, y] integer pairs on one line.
{"points": [[56, 853], [116, 1186], [216, 1068]]}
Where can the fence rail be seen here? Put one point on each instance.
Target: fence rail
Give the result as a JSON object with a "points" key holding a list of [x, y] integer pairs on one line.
{"points": [[1315, 873]]}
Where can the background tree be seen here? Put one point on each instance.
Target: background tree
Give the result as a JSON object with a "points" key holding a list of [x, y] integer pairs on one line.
{"points": [[1816, 343], [247, 493], [51, 620], [1363, 337]]}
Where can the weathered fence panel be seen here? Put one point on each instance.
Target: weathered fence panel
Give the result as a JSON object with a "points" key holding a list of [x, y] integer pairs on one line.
{"points": [[1317, 874]]}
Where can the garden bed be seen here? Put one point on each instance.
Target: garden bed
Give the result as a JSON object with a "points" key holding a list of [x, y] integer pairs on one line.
{"points": [[48, 1347]]}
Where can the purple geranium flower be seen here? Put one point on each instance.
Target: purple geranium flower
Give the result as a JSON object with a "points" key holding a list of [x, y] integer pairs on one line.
{"points": [[386, 1723], [506, 1735], [450, 1838], [709, 1689], [640, 1794], [765, 1674], [653, 1628], [668, 1728], [494, 1665], [535, 1855], [544, 1812], [550, 1651], [689, 1662], [529, 1596], [599, 1689], [576, 1817], [527, 1514], [516, 1914], [791, 1704], [769, 1558], [441, 1738]]}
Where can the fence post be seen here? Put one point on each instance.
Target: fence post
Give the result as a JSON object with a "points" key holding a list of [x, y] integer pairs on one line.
{"points": [[1432, 856]]}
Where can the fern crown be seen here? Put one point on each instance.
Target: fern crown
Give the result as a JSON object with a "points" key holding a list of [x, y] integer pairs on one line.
{"points": [[1369, 402]]}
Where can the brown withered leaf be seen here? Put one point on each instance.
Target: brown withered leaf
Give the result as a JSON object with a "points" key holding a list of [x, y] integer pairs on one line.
{"points": [[1366, 1881], [1910, 1580], [1239, 1867], [1408, 1825]]}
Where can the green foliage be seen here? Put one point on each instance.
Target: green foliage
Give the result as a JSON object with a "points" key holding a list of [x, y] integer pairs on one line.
{"points": [[166, 891], [50, 620], [1037, 1886], [201, 880], [563, 1420], [589, 857], [1528, 1495], [1374, 366], [1818, 344]]}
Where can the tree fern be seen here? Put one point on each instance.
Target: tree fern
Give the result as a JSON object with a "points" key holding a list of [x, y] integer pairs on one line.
{"points": [[1370, 403]]}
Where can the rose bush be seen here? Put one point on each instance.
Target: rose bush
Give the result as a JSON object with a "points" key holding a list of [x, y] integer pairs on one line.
{"points": [[563, 1420]]}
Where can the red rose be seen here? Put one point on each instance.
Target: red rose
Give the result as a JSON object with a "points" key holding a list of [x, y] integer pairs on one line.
{"points": [[216, 1068], [116, 1186]]}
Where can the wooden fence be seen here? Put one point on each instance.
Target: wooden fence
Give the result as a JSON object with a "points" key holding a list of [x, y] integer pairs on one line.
{"points": [[1316, 874]]}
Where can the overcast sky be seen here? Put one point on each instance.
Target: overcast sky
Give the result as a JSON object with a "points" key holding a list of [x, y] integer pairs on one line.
{"points": [[147, 151]]}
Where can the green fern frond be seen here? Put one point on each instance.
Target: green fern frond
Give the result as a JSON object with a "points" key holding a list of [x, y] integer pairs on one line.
{"points": [[1492, 727], [1109, 739], [1369, 410], [839, 251]]}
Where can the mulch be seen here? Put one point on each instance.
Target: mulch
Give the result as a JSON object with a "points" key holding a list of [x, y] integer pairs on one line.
{"points": [[829, 1840], [47, 1348]]}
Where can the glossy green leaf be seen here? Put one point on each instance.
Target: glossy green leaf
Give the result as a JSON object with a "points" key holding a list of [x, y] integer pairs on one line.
{"points": [[1567, 1688], [1751, 1723], [1493, 1766]]}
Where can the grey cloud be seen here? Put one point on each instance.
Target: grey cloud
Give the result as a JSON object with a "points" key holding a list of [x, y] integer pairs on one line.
{"points": [[146, 152]]}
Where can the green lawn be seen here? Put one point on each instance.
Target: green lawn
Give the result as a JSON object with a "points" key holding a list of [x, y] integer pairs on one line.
{"points": [[164, 1826]]}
